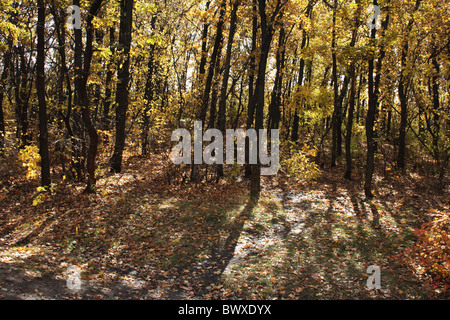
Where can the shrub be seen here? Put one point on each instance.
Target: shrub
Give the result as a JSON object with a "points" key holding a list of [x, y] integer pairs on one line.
{"points": [[298, 164], [431, 252], [31, 159]]}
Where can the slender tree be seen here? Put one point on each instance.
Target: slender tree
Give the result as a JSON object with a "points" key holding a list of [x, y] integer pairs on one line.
{"points": [[123, 75], [82, 70], [372, 110], [267, 31], [226, 75], [40, 88]]}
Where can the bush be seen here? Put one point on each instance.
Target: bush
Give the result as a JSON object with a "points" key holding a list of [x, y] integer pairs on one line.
{"points": [[31, 159], [431, 252], [298, 163]]}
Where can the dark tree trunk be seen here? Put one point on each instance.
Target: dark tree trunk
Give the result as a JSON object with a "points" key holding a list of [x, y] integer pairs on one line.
{"points": [[202, 68], [22, 97], [251, 79], [275, 103], [402, 94], [226, 75], [373, 88], [267, 30], [209, 79], [40, 88], [436, 108], [296, 120], [212, 64], [338, 114], [58, 15], [108, 85], [81, 77], [123, 78], [3, 78], [348, 136], [336, 111]]}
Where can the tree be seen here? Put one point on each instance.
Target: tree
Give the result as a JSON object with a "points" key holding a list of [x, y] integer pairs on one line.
{"points": [[40, 87], [226, 75], [212, 69], [373, 90], [267, 31], [82, 68], [126, 19]]}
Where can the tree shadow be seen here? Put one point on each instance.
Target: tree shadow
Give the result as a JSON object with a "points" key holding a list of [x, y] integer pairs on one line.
{"points": [[224, 256]]}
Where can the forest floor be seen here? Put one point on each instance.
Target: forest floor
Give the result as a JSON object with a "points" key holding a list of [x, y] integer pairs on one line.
{"points": [[141, 236]]}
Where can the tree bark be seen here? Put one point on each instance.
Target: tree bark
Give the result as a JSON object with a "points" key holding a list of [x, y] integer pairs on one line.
{"points": [[267, 30], [251, 79], [108, 86], [274, 106], [212, 63], [296, 120], [336, 149], [82, 69], [348, 136], [21, 96], [226, 75], [209, 79], [4, 76], [402, 94], [123, 75], [40, 88], [336, 111], [373, 88]]}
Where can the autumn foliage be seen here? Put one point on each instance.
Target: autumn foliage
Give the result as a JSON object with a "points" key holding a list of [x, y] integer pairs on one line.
{"points": [[363, 120], [430, 255]]}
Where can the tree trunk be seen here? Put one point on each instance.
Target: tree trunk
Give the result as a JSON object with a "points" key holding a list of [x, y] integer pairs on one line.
{"points": [[296, 120], [436, 109], [251, 79], [373, 88], [348, 136], [123, 78], [274, 106], [223, 94], [204, 48], [108, 85], [212, 63], [336, 149], [208, 83], [81, 77], [402, 94], [336, 111], [40, 88], [3, 78], [266, 39], [22, 98], [58, 15]]}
